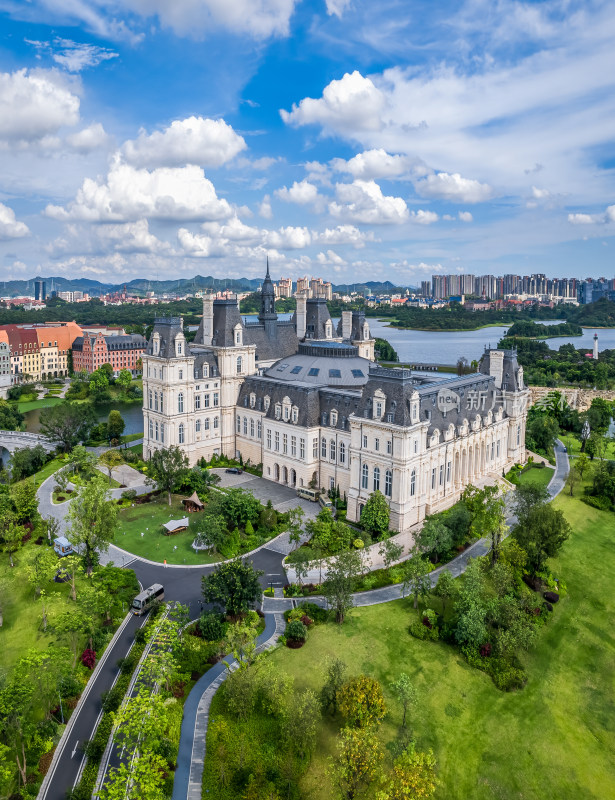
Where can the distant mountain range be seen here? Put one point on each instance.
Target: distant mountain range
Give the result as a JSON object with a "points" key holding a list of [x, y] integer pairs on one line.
{"points": [[140, 286]]}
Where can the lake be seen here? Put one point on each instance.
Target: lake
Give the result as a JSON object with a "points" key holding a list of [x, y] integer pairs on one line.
{"points": [[132, 413], [446, 347]]}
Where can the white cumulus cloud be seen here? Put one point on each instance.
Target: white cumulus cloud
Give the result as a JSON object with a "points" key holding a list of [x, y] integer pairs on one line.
{"points": [[363, 201], [375, 163], [195, 140], [453, 188], [130, 194], [466, 216], [593, 219], [344, 234], [288, 238], [422, 217], [34, 105], [301, 192], [91, 138], [10, 227], [264, 208], [350, 104]]}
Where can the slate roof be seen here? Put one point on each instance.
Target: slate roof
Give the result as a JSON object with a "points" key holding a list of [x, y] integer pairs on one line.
{"points": [[168, 328], [283, 343], [510, 369], [313, 365], [132, 341], [316, 317]]}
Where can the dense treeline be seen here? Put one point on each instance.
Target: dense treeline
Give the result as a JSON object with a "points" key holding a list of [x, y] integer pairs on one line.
{"points": [[457, 317], [534, 330], [566, 366], [94, 312]]}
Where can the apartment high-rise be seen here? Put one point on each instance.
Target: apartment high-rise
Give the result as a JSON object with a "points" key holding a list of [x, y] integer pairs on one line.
{"points": [[40, 290]]}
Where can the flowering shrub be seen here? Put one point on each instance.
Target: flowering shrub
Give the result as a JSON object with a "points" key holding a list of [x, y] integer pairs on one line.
{"points": [[88, 658], [485, 650]]}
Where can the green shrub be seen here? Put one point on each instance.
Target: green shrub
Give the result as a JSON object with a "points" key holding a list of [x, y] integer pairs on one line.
{"points": [[296, 630], [112, 699], [425, 627], [211, 626]]}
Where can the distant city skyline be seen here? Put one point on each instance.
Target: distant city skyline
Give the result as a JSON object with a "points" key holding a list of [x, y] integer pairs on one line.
{"points": [[358, 141]]}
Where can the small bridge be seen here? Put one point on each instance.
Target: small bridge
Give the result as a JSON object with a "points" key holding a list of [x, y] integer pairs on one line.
{"points": [[15, 440]]}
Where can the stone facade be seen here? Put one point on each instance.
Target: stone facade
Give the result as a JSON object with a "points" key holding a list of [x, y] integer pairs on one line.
{"points": [[307, 402]]}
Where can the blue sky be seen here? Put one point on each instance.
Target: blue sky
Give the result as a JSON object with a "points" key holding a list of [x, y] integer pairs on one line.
{"points": [[353, 140]]}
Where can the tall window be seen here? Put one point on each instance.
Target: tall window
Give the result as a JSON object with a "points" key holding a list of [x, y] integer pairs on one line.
{"points": [[433, 478], [162, 432], [388, 483], [492, 449], [518, 434], [323, 447], [239, 365], [216, 422], [441, 474], [364, 476], [252, 428], [332, 449], [342, 453], [181, 374], [155, 401], [206, 401], [376, 478], [197, 402], [293, 445], [216, 399], [268, 438], [389, 446], [379, 410], [238, 424], [301, 448], [245, 426], [150, 399], [156, 429], [259, 429], [285, 443], [497, 449], [180, 402], [161, 402], [206, 425], [151, 429], [181, 433], [376, 444], [364, 441], [197, 426], [448, 472], [314, 448], [413, 483], [277, 440]]}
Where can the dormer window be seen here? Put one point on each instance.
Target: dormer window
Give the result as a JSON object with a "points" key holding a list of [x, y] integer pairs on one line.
{"points": [[295, 414], [238, 335], [179, 348], [278, 410], [379, 401], [334, 418], [267, 402], [252, 400]]}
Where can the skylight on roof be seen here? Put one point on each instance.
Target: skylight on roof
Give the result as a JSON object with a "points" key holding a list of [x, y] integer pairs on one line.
{"points": [[282, 367], [335, 373], [357, 373], [296, 370], [313, 372]]}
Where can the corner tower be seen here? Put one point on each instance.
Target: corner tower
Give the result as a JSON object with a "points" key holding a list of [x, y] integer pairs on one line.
{"points": [[268, 316]]}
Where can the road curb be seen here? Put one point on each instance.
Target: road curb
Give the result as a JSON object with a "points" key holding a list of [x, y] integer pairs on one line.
{"points": [[42, 793]]}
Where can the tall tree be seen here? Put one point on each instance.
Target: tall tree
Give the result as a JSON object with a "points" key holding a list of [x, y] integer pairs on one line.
{"points": [[405, 692], [375, 515], [341, 580], [414, 776], [389, 551], [111, 459], [487, 509], [92, 517], [300, 724], [359, 760], [445, 588], [166, 466], [115, 424], [416, 578], [434, 538], [234, 586], [124, 379], [68, 423], [541, 533], [12, 536]]}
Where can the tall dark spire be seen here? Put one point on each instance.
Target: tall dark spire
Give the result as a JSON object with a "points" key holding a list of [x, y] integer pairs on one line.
{"points": [[268, 316]]}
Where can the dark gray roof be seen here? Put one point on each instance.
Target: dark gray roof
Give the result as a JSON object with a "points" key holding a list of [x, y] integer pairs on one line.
{"points": [[316, 317], [510, 369], [202, 357], [313, 365], [281, 343], [168, 329], [133, 341]]}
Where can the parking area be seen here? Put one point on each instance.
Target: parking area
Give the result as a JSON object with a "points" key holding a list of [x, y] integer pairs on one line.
{"points": [[282, 497]]}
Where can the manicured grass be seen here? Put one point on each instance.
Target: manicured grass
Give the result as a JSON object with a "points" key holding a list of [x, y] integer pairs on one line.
{"points": [[131, 437], [554, 738], [574, 446], [537, 476], [154, 545], [136, 448], [44, 402]]}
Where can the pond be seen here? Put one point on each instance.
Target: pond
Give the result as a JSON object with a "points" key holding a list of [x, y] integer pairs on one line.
{"points": [[132, 413]]}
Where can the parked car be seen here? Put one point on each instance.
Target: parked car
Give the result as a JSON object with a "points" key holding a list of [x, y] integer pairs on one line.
{"points": [[234, 470]]}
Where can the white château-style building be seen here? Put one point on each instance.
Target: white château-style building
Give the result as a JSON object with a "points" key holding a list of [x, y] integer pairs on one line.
{"points": [[308, 402]]}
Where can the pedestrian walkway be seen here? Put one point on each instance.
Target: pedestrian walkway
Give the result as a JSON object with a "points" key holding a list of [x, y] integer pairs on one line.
{"points": [[192, 744]]}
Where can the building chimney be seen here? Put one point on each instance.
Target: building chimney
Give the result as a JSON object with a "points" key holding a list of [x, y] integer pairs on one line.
{"points": [[208, 318], [346, 324], [300, 316]]}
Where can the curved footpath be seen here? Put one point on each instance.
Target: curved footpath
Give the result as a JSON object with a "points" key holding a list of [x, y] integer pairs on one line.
{"points": [[183, 583], [190, 763]]}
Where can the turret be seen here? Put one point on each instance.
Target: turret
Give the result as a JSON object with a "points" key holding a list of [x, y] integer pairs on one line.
{"points": [[268, 316]]}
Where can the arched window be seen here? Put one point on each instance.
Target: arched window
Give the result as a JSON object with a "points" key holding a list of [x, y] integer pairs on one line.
{"points": [[151, 429], [342, 452], [181, 433], [206, 425], [216, 422], [180, 402], [332, 450], [364, 476], [239, 365], [388, 483], [259, 429], [376, 478], [252, 428], [323, 447], [197, 426], [413, 483]]}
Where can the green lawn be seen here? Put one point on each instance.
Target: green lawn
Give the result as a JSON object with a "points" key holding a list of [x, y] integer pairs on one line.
{"points": [[574, 446], [49, 468], [45, 402], [537, 476], [154, 545], [553, 739]]}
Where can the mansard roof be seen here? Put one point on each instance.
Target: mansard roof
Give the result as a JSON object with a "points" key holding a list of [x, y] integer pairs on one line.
{"points": [[282, 343], [316, 318], [168, 328]]}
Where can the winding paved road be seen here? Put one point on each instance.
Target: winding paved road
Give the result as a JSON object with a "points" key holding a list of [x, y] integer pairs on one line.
{"points": [[183, 584]]}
